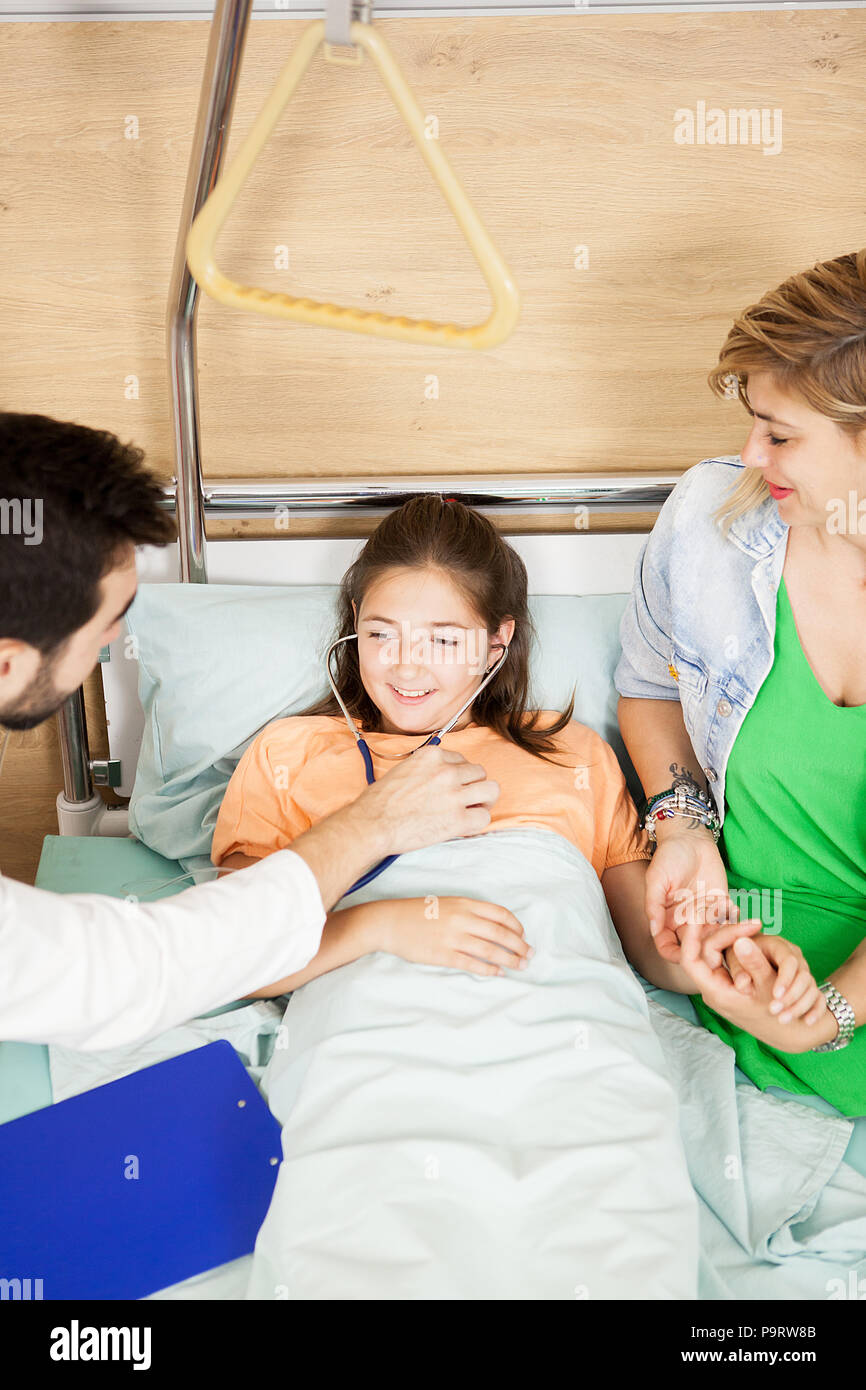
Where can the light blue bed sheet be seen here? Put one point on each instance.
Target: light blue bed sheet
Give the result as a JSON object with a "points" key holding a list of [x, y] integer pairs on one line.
{"points": [[682, 1006]]}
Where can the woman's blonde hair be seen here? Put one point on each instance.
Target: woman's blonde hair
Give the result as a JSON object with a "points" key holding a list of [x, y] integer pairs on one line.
{"points": [[810, 333]]}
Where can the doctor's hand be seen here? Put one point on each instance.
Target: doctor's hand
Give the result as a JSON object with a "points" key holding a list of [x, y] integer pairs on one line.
{"points": [[687, 888], [433, 795]]}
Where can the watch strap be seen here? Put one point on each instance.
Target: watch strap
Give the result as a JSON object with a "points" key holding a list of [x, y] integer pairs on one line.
{"points": [[844, 1016]]}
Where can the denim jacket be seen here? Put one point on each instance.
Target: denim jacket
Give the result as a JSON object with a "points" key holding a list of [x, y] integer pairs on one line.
{"points": [[701, 621]]}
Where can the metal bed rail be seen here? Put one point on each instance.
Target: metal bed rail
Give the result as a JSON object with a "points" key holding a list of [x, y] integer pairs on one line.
{"points": [[584, 495]]}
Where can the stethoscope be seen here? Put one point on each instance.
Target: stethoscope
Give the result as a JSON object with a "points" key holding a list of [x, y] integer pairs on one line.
{"points": [[364, 750]]}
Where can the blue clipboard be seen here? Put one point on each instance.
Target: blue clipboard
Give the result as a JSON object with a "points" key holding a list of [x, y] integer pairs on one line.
{"points": [[135, 1185]]}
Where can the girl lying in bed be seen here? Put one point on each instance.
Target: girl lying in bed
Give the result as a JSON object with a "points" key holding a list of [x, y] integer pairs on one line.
{"points": [[435, 597]]}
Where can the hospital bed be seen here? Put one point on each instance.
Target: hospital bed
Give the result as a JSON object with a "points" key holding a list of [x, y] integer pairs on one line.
{"points": [[177, 726], [194, 719]]}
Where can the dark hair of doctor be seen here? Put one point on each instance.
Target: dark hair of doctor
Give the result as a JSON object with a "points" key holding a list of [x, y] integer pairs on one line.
{"points": [[95, 499]]}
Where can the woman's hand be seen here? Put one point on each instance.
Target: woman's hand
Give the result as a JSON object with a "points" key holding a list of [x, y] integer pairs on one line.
{"points": [[460, 933], [686, 885], [752, 1012]]}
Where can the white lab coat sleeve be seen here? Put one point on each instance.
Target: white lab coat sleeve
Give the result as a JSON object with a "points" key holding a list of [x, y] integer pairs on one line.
{"points": [[89, 971]]}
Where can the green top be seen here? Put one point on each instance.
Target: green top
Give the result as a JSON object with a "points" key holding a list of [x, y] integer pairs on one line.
{"points": [[794, 839]]}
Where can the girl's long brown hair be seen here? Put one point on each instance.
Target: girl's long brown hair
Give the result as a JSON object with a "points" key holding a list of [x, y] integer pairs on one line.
{"points": [[432, 532]]}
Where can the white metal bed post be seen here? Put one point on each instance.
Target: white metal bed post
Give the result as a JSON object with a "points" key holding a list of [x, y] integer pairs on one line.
{"points": [[229, 28]]}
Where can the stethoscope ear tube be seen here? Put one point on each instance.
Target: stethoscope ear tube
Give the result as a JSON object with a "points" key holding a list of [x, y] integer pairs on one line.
{"points": [[494, 671]]}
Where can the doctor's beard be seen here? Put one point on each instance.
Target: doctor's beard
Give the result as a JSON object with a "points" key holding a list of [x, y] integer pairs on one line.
{"points": [[37, 703]]}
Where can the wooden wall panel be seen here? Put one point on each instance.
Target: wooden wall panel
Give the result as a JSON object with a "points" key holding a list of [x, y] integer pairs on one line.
{"points": [[562, 130]]}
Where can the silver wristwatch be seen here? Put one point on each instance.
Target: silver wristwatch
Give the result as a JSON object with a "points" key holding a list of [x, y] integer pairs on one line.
{"points": [[844, 1016]]}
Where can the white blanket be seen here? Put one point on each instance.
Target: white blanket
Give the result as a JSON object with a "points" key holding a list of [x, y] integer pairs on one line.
{"points": [[452, 1136]]}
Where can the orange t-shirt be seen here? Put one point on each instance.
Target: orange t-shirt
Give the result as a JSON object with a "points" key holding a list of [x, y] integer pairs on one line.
{"points": [[301, 769]]}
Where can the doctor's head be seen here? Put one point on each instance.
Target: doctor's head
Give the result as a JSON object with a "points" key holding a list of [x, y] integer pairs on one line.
{"points": [[797, 362], [435, 597], [74, 504]]}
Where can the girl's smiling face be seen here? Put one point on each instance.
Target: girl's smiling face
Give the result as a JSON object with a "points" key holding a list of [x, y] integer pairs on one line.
{"points": [[423, 649]]}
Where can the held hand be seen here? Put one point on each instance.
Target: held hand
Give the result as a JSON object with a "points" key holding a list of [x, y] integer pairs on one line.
{"points": [[752, 1011], [460, 933], [434, 795], [687, 888], [795, 992]]}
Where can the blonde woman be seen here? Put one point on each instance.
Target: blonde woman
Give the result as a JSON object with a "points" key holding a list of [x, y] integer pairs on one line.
{"points": [[743, 693]]}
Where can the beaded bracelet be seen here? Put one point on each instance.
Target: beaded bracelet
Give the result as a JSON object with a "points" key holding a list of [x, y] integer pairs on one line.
{"points": [[677, 801]]}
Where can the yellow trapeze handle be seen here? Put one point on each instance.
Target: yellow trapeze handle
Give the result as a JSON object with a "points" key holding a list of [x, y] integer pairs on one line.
{"points": [[207, 225]]}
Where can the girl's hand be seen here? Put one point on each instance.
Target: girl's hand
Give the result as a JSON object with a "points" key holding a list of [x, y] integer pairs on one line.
{"points": [[795, 992], [752, 1012], [687, 886], [460, 933]]}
